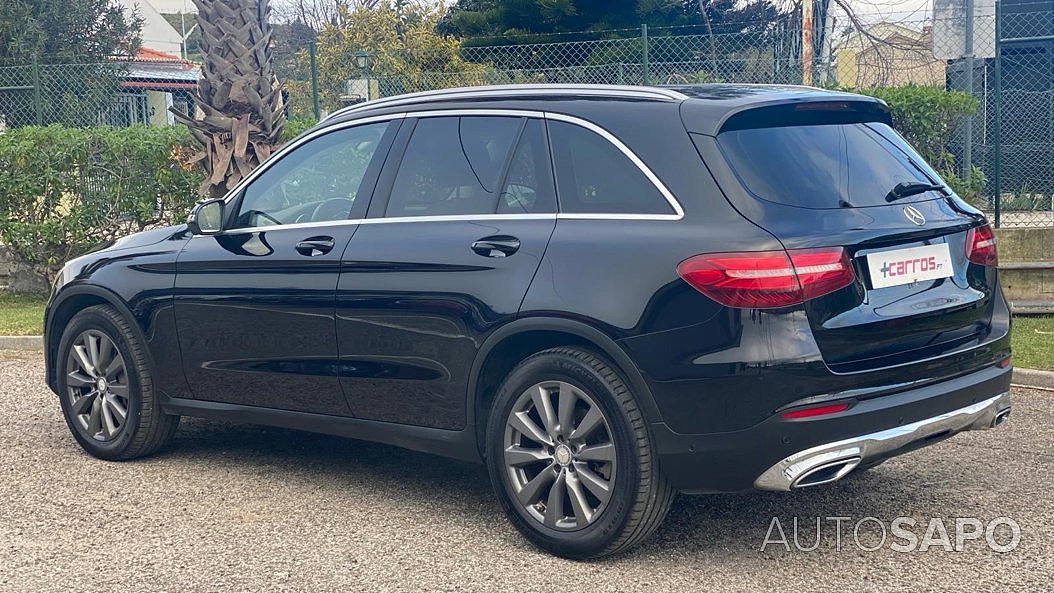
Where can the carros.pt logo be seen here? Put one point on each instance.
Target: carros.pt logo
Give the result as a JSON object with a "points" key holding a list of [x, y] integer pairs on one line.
{"points": [[909, 267], [902, 534]]}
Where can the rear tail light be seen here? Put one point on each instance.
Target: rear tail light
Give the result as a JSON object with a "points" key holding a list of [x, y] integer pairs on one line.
{"points": [[766, 279], [980, 246]]}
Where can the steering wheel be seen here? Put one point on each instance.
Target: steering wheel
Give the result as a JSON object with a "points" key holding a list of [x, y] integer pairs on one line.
{"points": [[332, 209]]}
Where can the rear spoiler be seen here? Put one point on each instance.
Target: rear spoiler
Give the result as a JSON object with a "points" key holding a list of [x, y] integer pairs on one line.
{"points": [[816, 109]]}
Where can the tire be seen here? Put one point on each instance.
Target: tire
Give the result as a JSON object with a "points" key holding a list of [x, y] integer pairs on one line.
{"points": [[638, 497], [102, 432]]}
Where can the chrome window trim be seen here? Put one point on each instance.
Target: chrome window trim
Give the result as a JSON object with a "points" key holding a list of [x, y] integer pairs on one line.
{"points": [[527, 91], [667, 195]]}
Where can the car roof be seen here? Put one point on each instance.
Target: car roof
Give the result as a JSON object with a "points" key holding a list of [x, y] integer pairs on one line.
{"points": [[704, 107]]}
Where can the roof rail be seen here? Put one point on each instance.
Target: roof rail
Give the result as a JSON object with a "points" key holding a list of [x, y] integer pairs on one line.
{"points": [[512, 90]]}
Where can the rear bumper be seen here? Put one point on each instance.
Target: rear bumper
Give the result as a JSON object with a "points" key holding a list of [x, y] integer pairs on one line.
{"points": [[780, 454], [832, 461]]}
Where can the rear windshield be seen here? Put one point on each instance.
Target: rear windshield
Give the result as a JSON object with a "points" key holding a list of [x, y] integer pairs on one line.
{"points": [[825, 166]]}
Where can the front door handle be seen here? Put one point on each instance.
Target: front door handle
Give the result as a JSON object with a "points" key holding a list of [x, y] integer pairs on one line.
{"points": [[315, 246], [496, 246]]}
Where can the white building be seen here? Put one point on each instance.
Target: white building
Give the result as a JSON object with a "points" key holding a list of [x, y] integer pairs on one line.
{"points": [[157, 33]]}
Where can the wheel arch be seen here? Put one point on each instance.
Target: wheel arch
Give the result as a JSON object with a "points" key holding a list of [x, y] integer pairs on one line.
{"points": [[510, 344], [66, 305]]}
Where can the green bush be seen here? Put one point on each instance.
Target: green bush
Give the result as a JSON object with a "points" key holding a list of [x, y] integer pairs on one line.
{"points": [[928, 117], [295, 125], [65, 191]]}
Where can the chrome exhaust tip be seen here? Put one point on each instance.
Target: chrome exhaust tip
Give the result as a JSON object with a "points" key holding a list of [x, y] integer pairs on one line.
{"points": [[825, 473], [1001, 417]]}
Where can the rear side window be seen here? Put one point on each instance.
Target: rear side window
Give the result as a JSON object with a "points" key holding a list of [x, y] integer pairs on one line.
{"points": [[824, 166], [595, 177], [452, 166]]}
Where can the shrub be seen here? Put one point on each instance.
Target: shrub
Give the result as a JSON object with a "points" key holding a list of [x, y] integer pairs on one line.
{"points": [[65, 191], [928, 118]]}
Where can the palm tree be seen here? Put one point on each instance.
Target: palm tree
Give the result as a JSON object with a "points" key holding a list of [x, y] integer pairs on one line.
{"points": [[238, 94]]}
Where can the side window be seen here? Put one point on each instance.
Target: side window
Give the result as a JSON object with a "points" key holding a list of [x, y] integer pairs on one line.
{"points": [[595, 177], [318, 181], [529, 186], [453, 166]]}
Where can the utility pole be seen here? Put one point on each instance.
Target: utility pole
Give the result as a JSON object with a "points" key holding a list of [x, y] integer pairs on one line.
{"points": [[806, 42], [968, 55]]}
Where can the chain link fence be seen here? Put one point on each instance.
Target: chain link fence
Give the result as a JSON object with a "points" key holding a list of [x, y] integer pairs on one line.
{"points": [[1006, 61]]}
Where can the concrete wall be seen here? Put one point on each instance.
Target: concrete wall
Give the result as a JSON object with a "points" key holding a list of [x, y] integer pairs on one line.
{"points": [[1026, 259]]}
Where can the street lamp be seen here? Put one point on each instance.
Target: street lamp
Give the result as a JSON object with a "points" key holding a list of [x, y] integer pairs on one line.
{"points": [[362, 60]]}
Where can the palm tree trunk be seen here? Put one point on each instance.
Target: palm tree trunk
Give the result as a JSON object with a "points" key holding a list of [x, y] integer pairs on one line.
{"points": [[239, 100]]}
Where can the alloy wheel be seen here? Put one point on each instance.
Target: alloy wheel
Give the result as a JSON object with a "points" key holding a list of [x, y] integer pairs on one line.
{"points": [[97, 385], [559, 455]]}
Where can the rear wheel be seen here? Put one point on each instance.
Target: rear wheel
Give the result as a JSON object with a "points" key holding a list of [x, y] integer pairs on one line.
{"points": [[570, 456], [106, 388]]}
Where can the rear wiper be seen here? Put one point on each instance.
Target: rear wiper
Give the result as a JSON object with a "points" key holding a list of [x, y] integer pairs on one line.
{"points": [[906, 189]]}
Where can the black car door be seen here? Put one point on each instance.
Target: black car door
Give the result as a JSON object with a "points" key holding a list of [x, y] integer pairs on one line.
{"points": [[443, 262], [254, 304]]}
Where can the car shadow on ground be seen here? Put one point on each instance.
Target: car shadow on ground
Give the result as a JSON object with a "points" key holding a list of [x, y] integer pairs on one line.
{"points": [[722, 523]]}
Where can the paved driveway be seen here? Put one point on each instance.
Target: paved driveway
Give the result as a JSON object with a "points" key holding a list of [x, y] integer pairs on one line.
{"points": [[246, 508]]}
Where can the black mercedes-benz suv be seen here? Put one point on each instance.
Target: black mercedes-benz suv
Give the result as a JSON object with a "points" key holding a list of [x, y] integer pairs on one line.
{"points": [[605, 294]]}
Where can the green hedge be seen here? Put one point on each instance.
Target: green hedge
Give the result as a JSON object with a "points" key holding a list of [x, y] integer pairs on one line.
{"points": [[64, 191], [928, 118]]}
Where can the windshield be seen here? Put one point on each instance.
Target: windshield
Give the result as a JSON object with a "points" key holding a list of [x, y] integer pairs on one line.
{"points": [[825, 166]]}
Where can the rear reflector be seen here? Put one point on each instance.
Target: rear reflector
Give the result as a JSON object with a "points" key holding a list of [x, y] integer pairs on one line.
{"points": [[1003, 363], [980, 246], [815, 411], [766, 279]]}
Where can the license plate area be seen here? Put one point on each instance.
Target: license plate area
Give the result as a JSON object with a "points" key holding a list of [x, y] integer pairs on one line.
{"points": [[907, 266]]}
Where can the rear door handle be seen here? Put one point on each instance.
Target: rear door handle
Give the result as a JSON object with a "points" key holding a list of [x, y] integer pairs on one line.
{"points": [[315, 246], [496, 246]]}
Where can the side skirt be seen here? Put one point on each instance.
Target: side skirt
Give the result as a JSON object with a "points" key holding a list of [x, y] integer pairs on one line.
{"points": [[456, 444]]}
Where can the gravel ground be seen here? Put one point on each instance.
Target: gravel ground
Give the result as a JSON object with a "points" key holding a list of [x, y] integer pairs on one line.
{"points": [[247, 508]]}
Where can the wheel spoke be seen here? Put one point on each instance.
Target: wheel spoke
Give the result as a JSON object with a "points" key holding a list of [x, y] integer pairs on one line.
{"points": [[78, 379], [604, 452], [108, 425], [531, 491], [120, 413], [544, 404], [83, 360], [523, 424], [119, 390], [583, 512], [554, 506], [592, 420], [115, 366], [93, 351], [106, 355], [84, 403], [566, 407], [600, 487], [519, 456], [95, 418]]}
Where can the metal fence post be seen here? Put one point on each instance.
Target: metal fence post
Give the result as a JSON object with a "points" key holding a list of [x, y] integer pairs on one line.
{"points": [[312, 50], [997, 117], [38, 102], [644, 52]]}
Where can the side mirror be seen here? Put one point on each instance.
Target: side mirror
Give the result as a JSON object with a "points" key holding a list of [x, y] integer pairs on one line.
{"points": [[206, 218]]}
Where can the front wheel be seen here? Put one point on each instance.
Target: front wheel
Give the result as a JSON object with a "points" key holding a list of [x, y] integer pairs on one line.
{"points": [[106, 388], [570, 456]]}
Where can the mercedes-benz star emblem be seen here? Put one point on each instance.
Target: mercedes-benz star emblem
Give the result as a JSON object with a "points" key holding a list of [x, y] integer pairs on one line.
{"points": [[914, 215]]}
